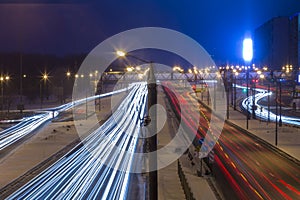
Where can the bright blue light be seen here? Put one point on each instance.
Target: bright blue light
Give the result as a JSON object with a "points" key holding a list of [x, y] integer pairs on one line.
{"points": [[247, 49]]}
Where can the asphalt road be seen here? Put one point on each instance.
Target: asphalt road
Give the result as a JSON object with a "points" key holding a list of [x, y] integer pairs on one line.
{"points": [[101, 168], [244, 167]]}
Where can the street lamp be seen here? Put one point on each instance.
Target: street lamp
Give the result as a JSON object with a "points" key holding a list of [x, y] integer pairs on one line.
{"points": [[280, 105], [247, 56], [3, 79], [254, 81], [121, 53], [65, 87], [176, 68], [234, 103], [269, 103], [68, 74], [152, 101], [276, 119], [44, 80], [227, 90]]}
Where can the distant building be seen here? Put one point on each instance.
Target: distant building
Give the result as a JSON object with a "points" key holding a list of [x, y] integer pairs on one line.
{"points": [[271, 43], [295, 40]]}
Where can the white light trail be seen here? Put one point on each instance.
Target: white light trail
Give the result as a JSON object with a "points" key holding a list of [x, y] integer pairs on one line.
{"points": [[262, 111], [83, 172], [29, 124]]}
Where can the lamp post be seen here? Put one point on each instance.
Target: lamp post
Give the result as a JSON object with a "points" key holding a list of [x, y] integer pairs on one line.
{"points": [[227, 91], [227, 99], [66, 86], [152, 101], [21, 105], [276, 119], [253, 97], [247, 114], [3, 79], [42, 87], [215, 96], [195, 78], [247, 56], [231, 88], [280, 105], [234, 103], [269, 103]]}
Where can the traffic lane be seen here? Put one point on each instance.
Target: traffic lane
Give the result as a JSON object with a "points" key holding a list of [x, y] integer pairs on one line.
{"points": [[253, 158], [259, 166], [258, 161], [74, 174], [256, 188], [272, 166]]}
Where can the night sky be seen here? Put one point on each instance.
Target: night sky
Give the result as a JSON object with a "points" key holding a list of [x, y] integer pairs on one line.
{"points": [[219, 26]]}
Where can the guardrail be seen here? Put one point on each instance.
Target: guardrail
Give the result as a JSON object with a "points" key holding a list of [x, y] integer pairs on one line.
{"points": [[186, 188]]}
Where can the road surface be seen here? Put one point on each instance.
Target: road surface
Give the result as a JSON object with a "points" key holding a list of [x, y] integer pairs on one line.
{"points": [[245, 167], [83, 172]]}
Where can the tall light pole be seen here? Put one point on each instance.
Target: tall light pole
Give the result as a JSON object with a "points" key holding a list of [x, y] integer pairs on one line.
{"points": [[253, 97], [276, 119], [152, 101], [269, 103], [247, 56], [43, 81], [231, 88], [280, 105], [3, 79], [234, 92], [2, 96], [215, 94], [65, 87], [21, 106], [227, 91]]}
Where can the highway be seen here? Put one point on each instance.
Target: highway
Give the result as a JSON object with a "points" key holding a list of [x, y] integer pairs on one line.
{"points": [[100, 168], [244, 167], [262, 111], [27, 125]]}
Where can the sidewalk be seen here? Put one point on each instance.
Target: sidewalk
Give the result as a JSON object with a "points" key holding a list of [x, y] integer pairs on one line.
{"points": [[288, 136], [169, 184]]}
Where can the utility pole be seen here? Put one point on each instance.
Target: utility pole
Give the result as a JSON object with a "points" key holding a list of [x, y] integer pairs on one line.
{"points": [[234, 92], [247, 113], [21, 82], [280, 105], [269, 104], [215, 100], [227, 93], [253, 99], [276, 120]]}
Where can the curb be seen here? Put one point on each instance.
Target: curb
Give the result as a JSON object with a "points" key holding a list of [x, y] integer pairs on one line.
{"points": [[184, 183]]}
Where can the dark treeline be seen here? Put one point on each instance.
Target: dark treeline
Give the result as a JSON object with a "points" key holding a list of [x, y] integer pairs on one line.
{"points": [[31, 68], [35, 64]]}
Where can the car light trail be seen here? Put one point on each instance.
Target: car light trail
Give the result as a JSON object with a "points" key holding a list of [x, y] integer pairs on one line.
{"points": [[244, 166], [261, 111], [29, 124], [84, 172]]}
